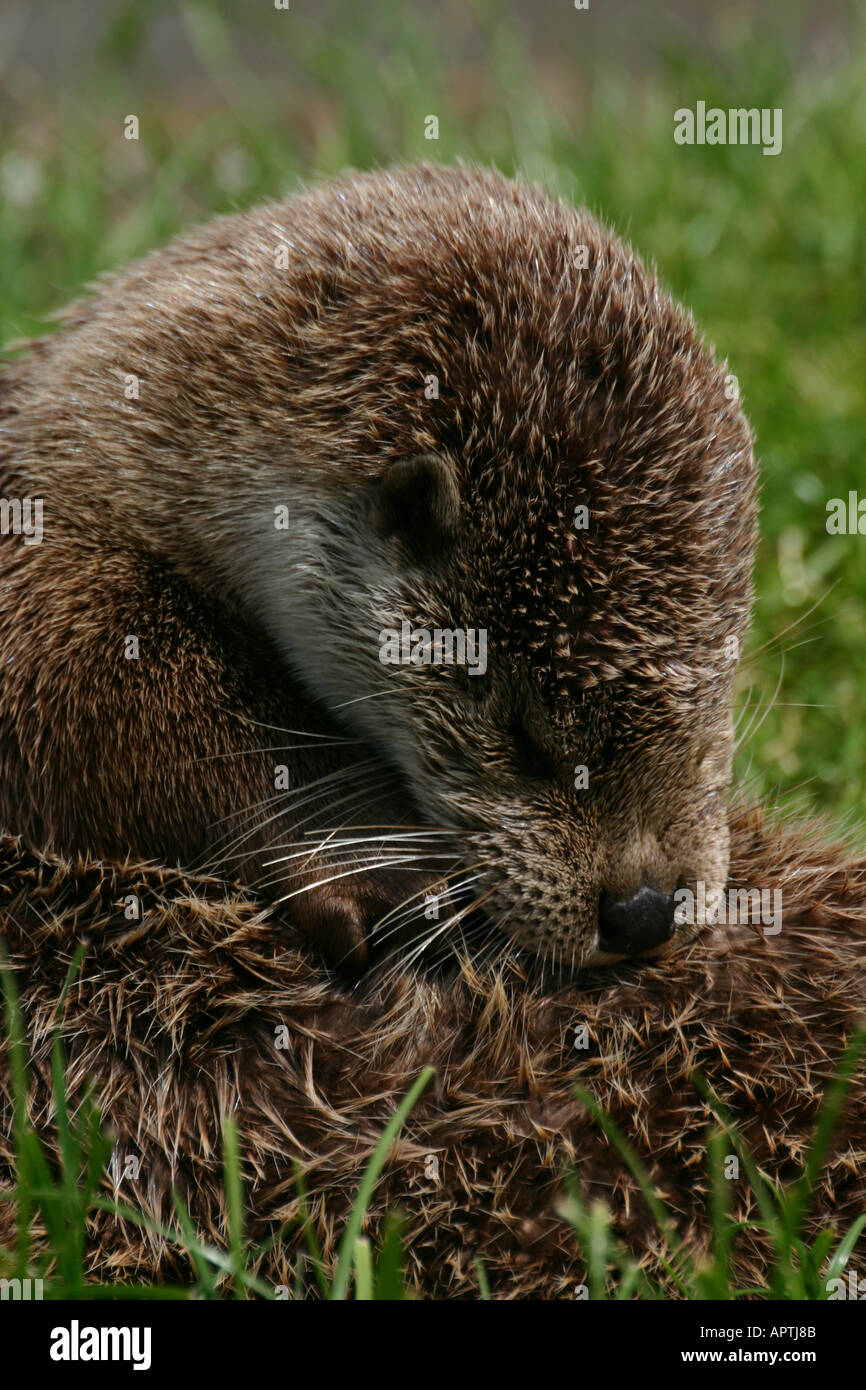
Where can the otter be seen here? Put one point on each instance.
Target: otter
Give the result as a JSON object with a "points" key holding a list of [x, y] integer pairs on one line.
{"points": [[424, 401], [428, 373]]}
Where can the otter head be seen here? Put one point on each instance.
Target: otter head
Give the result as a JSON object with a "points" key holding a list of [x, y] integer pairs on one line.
{"points": [[561, 655], [550, 661], [533, 600]]}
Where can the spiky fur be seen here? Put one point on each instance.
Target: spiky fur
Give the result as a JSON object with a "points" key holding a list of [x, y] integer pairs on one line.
{"points": [[175, 1025], [566, 379]]}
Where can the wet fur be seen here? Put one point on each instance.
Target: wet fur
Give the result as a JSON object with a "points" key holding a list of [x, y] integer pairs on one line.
{"points": [[175, 1024]]}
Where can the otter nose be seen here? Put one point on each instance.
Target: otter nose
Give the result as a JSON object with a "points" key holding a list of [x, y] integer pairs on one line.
{"points": [[630, 926]]}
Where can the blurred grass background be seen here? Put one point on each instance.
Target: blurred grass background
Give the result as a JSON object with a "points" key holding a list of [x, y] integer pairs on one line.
{"points": [[239, 101]]}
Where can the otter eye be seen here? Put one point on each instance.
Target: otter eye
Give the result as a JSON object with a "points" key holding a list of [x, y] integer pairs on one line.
{"points": [[533, 759], [475, 689]]}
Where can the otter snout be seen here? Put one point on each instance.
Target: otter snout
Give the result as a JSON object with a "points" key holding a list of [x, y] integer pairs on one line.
{"points": [[631, 926]]}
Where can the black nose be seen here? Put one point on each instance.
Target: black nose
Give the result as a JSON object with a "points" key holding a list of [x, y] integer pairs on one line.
{"points": [[630, 926]]}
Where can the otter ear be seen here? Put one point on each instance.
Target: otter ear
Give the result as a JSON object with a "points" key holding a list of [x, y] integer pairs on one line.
{"points": [[417, 499]]}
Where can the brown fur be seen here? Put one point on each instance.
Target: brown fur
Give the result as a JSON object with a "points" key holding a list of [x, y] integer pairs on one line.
{"points": [[560, 387], [175, 1025]]}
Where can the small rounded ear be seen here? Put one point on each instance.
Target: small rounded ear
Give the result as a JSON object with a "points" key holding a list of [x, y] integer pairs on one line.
{"points": [[417, 499]]}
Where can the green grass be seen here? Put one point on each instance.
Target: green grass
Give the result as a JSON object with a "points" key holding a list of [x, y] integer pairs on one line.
{"points": [[795, 1271]]}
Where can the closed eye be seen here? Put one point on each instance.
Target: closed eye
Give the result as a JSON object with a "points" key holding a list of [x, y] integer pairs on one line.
{"points": [[533, 759]]}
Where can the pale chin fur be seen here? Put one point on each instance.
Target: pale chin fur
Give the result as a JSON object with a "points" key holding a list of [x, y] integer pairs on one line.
{"points": [[288, 582]]}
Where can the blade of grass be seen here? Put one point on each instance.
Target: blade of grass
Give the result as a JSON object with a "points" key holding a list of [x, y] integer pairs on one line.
{"points": [[715, 1282], [18, 1087], [309, 1234], [363, 1270], [842, 1253], [389, 1281], [203, 1270], [234, 1202], [369, 1180], [642, 1178], [765, 1195]]}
